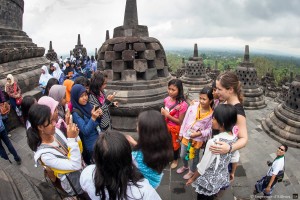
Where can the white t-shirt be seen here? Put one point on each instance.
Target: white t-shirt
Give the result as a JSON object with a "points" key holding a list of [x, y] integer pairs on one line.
{"points": [[277, 165], [145, 191]]}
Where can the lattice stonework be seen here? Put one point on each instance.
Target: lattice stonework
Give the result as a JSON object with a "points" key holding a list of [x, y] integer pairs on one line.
{"points": [[247, 76], [140, 60], [293, 100]]}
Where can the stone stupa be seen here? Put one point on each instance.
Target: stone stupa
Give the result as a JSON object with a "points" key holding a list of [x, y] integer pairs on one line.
{"points": [[51, 54], [195, 77], [253, 94], [137, 70], [79, 50], [283, 124], [19, 56]]}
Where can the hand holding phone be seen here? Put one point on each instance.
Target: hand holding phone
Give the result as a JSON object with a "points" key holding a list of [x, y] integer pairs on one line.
{"points": [[97, 107]]}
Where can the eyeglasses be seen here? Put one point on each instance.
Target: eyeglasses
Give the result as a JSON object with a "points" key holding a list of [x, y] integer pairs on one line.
{"points": [[8, 79], [52, 122], [281, 149]]}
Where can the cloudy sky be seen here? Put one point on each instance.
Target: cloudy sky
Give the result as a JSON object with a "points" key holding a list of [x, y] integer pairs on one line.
{"points": [[263, 24]]}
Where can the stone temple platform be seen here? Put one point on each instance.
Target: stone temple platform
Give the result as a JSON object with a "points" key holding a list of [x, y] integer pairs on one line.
{"points": [[252, 165]]}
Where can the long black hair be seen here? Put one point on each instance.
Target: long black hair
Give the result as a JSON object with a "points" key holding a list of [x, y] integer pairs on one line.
{"points": [[226, 116], [114, 167], [178, 83], [154, 140], [97, 81], [50, 83], [27, 102], [209, 92], [38, 115]]}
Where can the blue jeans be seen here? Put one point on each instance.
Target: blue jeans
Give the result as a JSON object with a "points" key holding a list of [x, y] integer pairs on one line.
{"points": [[13, 103], [195, 160], [10, 147]]}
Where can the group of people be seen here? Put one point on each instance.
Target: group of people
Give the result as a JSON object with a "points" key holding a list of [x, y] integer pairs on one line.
{"points": [[69, 130]]}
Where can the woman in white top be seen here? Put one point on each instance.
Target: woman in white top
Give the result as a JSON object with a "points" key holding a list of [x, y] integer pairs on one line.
{"points": [[114, 176], [59, 155], [213, 172]]}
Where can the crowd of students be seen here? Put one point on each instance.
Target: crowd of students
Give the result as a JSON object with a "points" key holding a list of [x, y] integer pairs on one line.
{"points": [[69, 130]]}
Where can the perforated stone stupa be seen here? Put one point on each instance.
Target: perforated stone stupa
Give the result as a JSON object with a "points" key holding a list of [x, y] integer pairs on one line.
{"points": [[195, 77], [19, 56], [137, 69], [51, 54], [283, 124], [253, 94], [79, 50]]}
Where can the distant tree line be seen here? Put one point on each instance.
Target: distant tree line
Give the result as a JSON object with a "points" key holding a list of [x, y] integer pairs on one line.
{"points": [[280, 66]]}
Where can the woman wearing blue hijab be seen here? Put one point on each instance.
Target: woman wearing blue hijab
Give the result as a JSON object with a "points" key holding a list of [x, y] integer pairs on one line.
{"points": [[87, 119]]}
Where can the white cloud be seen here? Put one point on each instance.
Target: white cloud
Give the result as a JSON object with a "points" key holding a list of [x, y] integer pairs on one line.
{"points": [[263, 24]]}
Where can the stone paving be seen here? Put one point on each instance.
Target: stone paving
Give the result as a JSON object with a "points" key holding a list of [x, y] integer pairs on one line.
{"points": [[252, 166]]}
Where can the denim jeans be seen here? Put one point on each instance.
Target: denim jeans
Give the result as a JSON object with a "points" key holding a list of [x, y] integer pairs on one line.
{"points": [[194, 161], [10, 147]]}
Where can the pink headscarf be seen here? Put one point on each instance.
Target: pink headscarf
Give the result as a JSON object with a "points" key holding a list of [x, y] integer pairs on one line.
{"points": [[48, 101]]}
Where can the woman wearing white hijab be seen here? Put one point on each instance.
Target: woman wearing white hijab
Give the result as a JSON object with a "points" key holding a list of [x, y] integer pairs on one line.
{"points": [[45, 76], [58, 73], [13, 90]]}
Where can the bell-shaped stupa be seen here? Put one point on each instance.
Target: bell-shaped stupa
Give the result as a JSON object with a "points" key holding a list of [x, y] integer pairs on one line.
{"points": [[253, 94], [137, 69]]}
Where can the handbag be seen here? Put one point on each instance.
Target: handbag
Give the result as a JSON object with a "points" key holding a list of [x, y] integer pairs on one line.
{"points": [[20, 98], [4, 108]]}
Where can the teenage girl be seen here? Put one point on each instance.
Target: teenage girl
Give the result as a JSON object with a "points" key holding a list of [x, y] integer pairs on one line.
{"points": [[153, 151], [174, 111], [195, 130], [212, 171]]}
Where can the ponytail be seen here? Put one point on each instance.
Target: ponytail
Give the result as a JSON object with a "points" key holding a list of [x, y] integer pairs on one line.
{"points": [[38, 115], [33, 139], [240, 93], [230, 80]]}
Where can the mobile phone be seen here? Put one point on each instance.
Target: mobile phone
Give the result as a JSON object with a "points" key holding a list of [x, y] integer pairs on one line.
{"points": [[97, 107]]}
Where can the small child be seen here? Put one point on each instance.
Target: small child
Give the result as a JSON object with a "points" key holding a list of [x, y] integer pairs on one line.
{"points": [[195, 131], [212, 172], [174, 112]]}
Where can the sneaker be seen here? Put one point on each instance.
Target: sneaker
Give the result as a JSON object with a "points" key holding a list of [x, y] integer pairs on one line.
{"points": [[188, 175], [9, 135], [174, 164], [182, 169]]}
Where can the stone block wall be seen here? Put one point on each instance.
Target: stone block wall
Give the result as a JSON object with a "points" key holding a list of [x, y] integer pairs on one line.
{"points": [[133, 58]]}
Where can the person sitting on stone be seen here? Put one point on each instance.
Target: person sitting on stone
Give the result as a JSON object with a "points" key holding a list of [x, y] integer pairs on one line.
{"points": [[266, 184], [114, 175], [59, 155], [58, 74], [10, 147], [44, 78], [14, 92], [153, 151]]}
